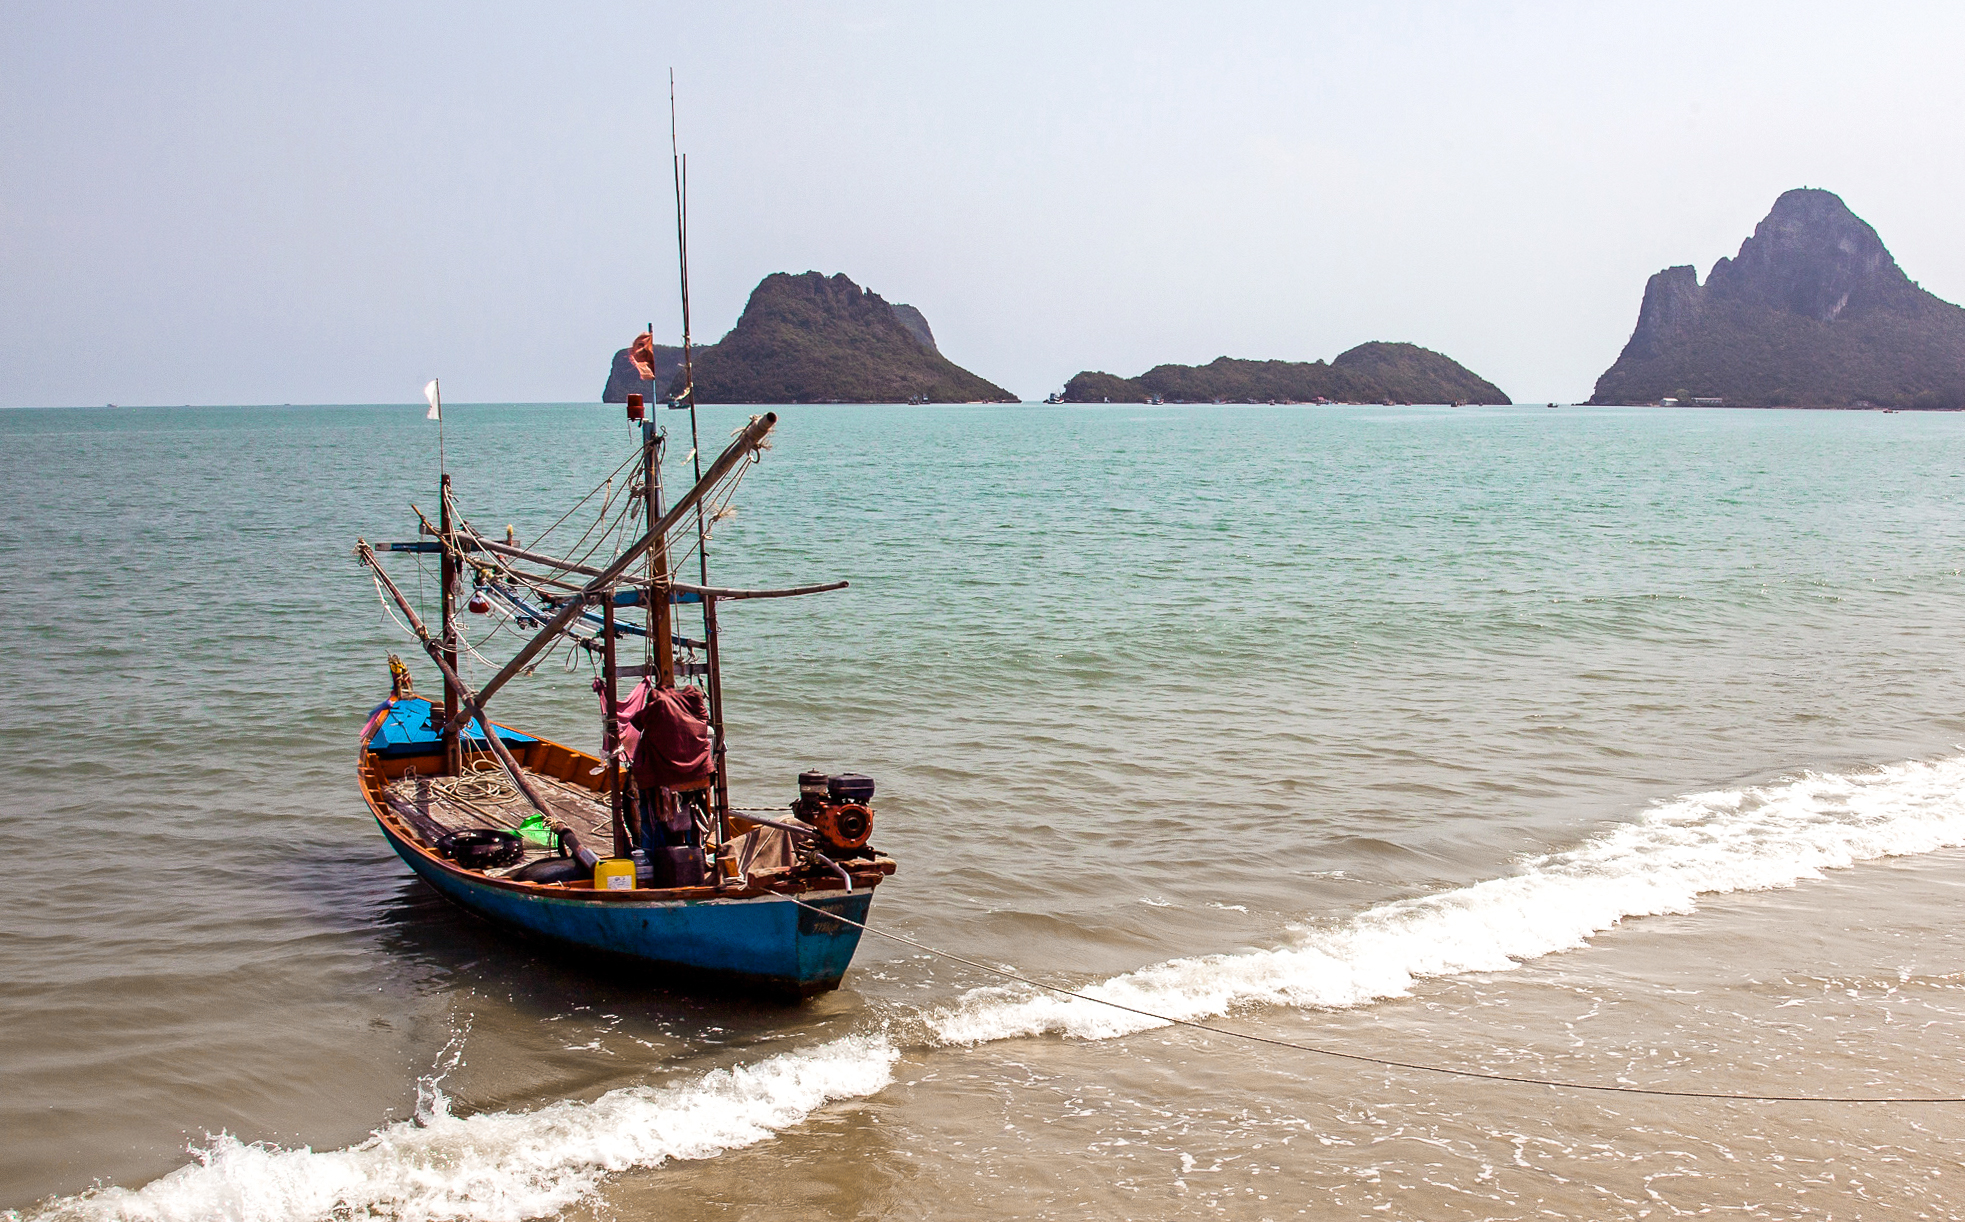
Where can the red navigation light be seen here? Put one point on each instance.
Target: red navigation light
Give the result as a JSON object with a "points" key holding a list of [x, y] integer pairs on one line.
{"points": [[634, 407]]}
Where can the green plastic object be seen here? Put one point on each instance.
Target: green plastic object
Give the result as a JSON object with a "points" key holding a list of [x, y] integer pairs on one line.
{"points": [[534, 829]]}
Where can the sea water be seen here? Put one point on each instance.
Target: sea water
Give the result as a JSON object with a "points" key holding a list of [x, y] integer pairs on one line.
{"points": [[1609, 746]]}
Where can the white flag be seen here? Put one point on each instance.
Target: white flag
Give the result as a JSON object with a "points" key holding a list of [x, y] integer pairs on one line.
{"points": [[436, 401]]}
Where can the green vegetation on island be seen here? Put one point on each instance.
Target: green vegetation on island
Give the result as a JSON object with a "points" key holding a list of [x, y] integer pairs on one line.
{"points": [[1368, 373], [1813, 312], [817, 339]]}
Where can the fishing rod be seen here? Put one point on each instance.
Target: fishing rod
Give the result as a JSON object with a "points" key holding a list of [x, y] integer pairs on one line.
{"points": [[680, 166], [713, 676]]}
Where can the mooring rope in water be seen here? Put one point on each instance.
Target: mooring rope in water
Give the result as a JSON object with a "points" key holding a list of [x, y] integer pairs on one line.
{"points": [[1371, 1060]]}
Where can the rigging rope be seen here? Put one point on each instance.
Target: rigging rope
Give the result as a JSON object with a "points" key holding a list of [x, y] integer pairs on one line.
{"points": [[390, 611], [606, 483], [612, 535], [1371, 1060], [500, 564], [721, 510], [606, 529], [485, 782]]}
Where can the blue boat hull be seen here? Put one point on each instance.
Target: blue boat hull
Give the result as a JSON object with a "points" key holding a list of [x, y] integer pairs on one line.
{"points": [[762, 944]]}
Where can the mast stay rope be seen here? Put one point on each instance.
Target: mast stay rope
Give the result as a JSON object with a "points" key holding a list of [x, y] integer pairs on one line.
{"points": [[1450, 1071]]}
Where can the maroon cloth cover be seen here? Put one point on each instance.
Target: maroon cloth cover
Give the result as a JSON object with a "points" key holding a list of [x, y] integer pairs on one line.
{"points": [[623, 713], [674, 747]]}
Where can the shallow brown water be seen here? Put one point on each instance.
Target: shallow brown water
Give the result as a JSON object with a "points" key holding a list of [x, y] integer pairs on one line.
{"points": [[1608, 746]]}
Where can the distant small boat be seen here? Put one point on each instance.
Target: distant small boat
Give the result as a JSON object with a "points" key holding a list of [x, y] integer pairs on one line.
{"points": [[1054, 399], [1554, 405]]}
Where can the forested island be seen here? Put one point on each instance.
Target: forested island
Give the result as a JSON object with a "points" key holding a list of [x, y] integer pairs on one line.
{"points": [[1812, 312], [815, 339], [1369, 373]]}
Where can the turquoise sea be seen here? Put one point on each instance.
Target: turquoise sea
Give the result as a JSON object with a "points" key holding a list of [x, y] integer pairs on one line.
{"points": [[1612, 745]]}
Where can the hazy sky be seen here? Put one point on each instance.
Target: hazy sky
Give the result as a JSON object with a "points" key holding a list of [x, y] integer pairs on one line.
{"points": [[263, 203]]}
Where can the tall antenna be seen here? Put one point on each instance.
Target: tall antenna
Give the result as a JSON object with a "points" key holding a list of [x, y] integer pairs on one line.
{"points": [[681, 167]]}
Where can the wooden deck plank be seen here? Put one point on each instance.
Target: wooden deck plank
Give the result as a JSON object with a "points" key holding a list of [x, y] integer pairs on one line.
{"points": [[583, 811]]}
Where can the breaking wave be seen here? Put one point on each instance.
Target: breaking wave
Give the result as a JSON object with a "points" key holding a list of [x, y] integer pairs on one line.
{"points": [[1710, 843], [497, 1166]]}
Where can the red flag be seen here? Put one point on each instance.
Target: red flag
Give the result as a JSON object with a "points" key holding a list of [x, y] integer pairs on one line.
{"points": [[641, 354]]}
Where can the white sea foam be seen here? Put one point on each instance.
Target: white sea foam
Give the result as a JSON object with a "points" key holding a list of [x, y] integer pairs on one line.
{"points": [[498, 1166], [1710, 843], [495, 1166]]}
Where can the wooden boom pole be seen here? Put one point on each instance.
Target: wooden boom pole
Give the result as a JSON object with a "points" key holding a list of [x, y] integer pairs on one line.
{"points": [[748, 439], [473, 703]]}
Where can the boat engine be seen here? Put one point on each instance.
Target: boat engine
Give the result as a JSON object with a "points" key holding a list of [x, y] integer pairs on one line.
{"points": [[840, 807]]}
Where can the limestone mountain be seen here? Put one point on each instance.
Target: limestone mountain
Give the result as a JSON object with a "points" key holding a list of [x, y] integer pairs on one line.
{"points": [[817, 339], [1813, 312], [916, 324], [1368, 373]]}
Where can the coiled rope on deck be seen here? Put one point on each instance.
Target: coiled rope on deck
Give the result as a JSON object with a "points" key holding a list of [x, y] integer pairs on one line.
{"points": [[1371, 1060], [484, 780]]}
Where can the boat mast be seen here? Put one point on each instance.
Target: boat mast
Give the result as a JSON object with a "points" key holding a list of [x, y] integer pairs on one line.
{"points": [[721, 794], [660, 629], [610, 731], [453, 755]]}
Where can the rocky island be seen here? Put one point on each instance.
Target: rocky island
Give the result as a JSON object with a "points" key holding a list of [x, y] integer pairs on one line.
{"points": [[816, 339], [1813, 312], [1368, 373]]}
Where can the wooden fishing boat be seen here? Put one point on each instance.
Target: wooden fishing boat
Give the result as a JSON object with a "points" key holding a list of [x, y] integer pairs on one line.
{"points": [[744, 932], [506, 824]]}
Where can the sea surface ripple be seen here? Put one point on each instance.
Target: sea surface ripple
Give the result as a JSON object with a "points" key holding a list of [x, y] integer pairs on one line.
{"points": [[1612, 745]]}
